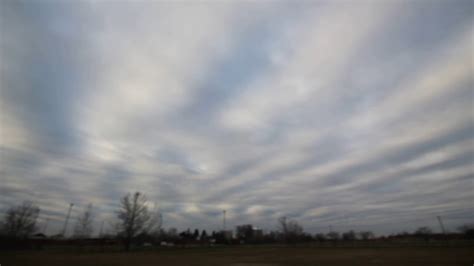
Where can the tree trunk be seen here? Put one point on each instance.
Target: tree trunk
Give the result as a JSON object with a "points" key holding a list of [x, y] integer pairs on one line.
{"points": [[127, 243]]}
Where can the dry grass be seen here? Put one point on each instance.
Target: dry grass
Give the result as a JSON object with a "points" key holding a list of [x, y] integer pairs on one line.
{"points": [[251, 256]]}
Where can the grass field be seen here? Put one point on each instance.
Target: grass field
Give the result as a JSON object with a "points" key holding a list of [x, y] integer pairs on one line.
{"points": [[251, 256]]}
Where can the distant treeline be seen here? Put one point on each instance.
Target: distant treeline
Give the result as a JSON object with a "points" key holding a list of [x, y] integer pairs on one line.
{"points": [[137, 226]]}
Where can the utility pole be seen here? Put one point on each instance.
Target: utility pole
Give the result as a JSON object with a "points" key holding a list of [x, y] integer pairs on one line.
{"points": [[223, 220], [67, 219], [440, 221]]}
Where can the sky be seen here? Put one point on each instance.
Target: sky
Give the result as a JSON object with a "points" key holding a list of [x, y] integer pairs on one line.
{"points": [[350, 114]]}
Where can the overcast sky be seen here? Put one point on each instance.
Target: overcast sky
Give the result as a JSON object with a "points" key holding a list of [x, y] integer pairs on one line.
{"points": [[354, 114]]}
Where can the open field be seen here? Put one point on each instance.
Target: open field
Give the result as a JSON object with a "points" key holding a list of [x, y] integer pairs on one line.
{"points": [[251, 256]]}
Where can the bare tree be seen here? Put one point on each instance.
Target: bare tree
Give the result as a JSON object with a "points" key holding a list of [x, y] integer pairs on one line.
{"points": [[244, 232], [20, 221], [135, 218], [422, 231], [290, 229], [83, 228], [467, 230], [333, 235], [349, 235], [282, 225], [366, 235]]}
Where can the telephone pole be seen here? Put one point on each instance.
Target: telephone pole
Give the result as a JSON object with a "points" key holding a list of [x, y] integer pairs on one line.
{"points": [[440, 221], [67, 219], [223, 220]]}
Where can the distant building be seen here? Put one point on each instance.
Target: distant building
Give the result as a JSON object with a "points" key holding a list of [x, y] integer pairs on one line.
{"points": [[228, 234]]}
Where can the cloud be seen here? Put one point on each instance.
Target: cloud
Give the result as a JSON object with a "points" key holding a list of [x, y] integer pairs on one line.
{"points": [[350, 115]]}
